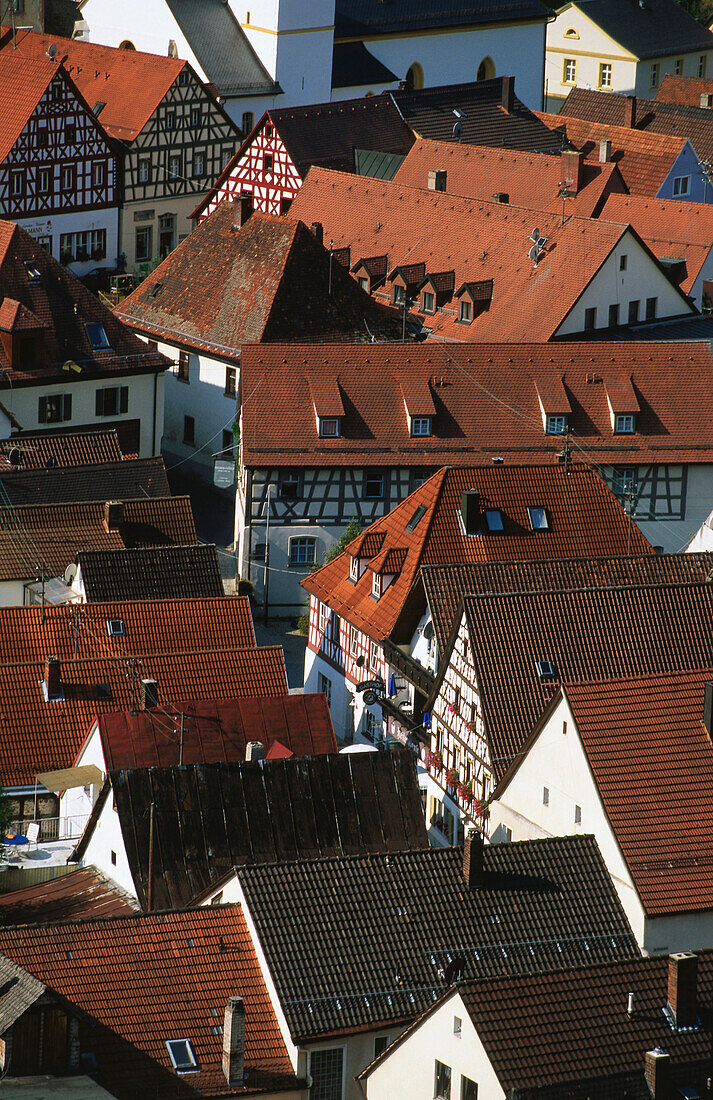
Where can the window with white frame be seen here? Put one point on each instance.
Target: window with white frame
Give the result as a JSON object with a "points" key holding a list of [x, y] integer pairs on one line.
{"points": [[372, 727], [174, 166], [323, 612], [17, 184], [702, 66], [182, 1057], [545, 796], [198, 164], [578, 815], [569, 71], [678, 67], [374, 656], [376, 585], [90, 244], [326, 1068], [681, 186], [556, 425], [44, 178], [55, 408], [429, 302], [144, 243], [420, 425], [399, 294], [468, 1089], [380, 1044], [624, 423], [605, 75], [465, 311], [654, 75], [144, 171], [353, 641], [324, 687], [303, 551], [373, 485], [112, 401], [98, 173], [354, 568]]}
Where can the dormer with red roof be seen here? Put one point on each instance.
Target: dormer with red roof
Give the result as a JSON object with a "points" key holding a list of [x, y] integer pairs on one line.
{"points": [[622, 402], [554, 403], [473, 299], [370, 272], [437, 289], [406, 280], [418, 402], [328, 406]]}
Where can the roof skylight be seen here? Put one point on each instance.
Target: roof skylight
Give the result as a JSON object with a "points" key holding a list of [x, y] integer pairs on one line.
{"points": [[494, 520], [97, 337], [416, 518], [181, 1053]]}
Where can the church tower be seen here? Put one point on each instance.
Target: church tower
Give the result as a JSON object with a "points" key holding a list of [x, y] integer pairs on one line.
{"points": [[294, 40]]}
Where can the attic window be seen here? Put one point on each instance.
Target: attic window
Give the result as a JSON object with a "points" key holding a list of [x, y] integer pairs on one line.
{"points": [[538, 519], [155, 289], [180, 1052], [494, 520], [465, 314], [33, 272], [545, 670], [376, 585], [329, 427], [420, 425], [624, 424], [415, 518], [363, 282], [556, 425], [399, 294], [98, 108], [116, 628], [571, 32], [98, 337], [429, 302], [354, 568]]}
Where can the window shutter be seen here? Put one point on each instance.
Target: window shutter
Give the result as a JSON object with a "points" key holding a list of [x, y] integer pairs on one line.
{"points": [[100, 403], [42, 413], [124, 399], [67, 412]]}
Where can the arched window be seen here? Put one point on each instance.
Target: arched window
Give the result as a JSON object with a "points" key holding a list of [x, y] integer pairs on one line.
{"points": [[486, 69], [571, 32], [127, 45], [414, 78]]}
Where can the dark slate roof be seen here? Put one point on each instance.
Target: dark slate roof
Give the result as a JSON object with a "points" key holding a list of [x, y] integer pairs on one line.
{"points": [[371, 950], [221, 48], [658, 628], [659, 29], [128, 479], [152, 573], [446, 585], [211, 817], [374, 17], [429, 112], [353, 64], [48, 449], [81, 893]]}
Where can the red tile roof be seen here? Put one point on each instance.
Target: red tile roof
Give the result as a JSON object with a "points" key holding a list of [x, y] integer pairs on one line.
{"points": [[486, 403], [131, 84], [686, 90], [583, 517], [225, 286], [81, 893], [147, 978], [652, 761], [644, 159], [34, 537], [38, 736], [61, 449], [22, 85], [528, 179], [216, 730], [477, 240]]}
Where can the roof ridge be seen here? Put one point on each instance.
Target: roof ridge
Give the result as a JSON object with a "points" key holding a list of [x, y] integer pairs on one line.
{"points": [[138, 915]]}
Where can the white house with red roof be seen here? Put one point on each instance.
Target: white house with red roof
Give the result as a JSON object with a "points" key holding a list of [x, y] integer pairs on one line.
{"points": [[631, 762]]}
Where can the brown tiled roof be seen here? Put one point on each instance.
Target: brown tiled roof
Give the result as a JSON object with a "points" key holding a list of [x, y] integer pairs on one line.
{"points": [[572, 1026], [686, 90], [127, 479], [154, 573], [215, 730], [644, 159], [77, 895], [477, 240], [64, 306], [209, 818], [34, 537], [486, 403], [38, 736], [659, 628], [581, 513], [49, 449], [225, 286], [446, 585], [140, 980], [528, 179], [652, 762], [22, 85]]}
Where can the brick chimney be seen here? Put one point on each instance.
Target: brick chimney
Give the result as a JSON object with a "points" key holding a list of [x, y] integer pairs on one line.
{"points": [[437, 179], [507, 101], [683, 988], [246, 206], [473, 851], [234, 1041], [113, 515], [318, 231], [630, 112], [149, 693], [254, 750], [572, 165], [53, 681], [657, 1065], [604, 151]]}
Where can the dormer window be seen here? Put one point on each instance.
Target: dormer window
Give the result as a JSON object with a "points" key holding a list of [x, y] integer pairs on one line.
{"points": [[624, 423], [329, 427], [363, 283], [556, 425], [494, 520], [465, 312], [420, 425], [429, 302], [399, 294], [376, 585], [354, 568]]}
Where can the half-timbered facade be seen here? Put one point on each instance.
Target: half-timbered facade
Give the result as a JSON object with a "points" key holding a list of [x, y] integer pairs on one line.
{"points": [[58, 170], [261, 170]]}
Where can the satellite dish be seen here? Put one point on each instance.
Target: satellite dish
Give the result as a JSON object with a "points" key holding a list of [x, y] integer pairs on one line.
{"points": [[534, 253], [458, 130], [52, 52], [535, 235], [15, 456]]}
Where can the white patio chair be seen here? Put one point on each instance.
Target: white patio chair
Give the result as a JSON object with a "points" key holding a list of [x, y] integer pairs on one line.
{"points": [[32, 833]]}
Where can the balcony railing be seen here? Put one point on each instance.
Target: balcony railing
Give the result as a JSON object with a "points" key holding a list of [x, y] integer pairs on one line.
{"points": [[53, 828]]}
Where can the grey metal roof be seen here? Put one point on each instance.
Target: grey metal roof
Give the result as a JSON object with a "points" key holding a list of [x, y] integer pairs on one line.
{"points": [[379, 166], [18, 991], [221, 48], [657, 28]]}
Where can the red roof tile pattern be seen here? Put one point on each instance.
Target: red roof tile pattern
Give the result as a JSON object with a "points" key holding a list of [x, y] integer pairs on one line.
{"points": [[643, 159], [652, 761], [587, 634], [581, 514], [64, 306], [686, 90], [77, 895], [215, 730], [486, 403], [477, 240], [571, 1026], [131, 84], [533, 179], [37, 537], [146, 978], [22, 85], [225, 286], [38, 736], [50, 449]]}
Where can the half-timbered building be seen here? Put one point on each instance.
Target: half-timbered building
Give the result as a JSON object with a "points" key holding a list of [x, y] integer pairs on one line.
{"points": [[58, 170], [172, 136]]}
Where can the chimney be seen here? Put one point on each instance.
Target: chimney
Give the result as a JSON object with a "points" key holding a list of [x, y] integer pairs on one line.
{"points": [[246, 207], [657, 1065], [683, 989], [470, 511], [473, 850], [706, 100], [708, 709], [437, 179], [572, 164], [629, 112], [508, 93], [254, 750], [149, 693], [53, 682], [234, 1041], [604, 151], [113, 515], [318, 231]]}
